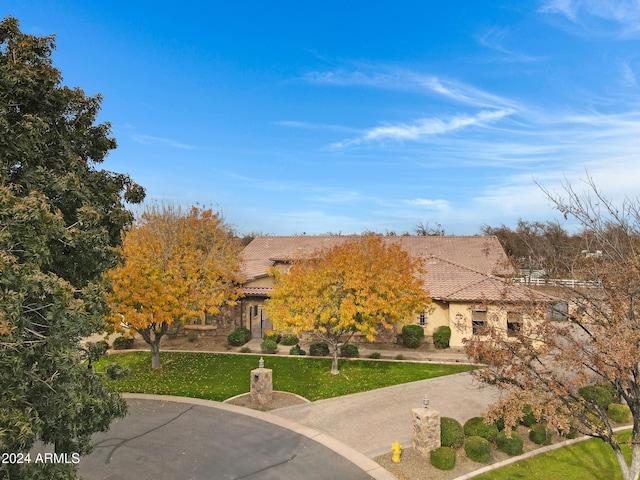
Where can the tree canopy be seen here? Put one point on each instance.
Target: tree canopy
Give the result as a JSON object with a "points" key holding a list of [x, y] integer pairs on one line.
{"points": [[355, 287], [548, 364], [177, 265], [60, 226]]}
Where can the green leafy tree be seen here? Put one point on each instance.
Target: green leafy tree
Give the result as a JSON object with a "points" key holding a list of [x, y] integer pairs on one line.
{"points": [[61, 220]]}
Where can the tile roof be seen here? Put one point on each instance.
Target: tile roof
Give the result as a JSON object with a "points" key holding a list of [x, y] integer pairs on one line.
{"points": [[458, 268]]}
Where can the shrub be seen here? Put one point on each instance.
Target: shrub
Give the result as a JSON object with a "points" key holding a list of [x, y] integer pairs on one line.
{"points": [[122, 343], [442, 337], [478, 449], [399, 357], [540, 435], [349, 350], [374, 355], [115, 371], [443, 458], [475, 427], [97, 350], [272, 335], [619, 413], [512, 446], [296, 350], [319, 349], [245, 350], [451, 432], [289, 340], [528, 418], [268, 346], [412, 335], [598, 394], [239, 336]]}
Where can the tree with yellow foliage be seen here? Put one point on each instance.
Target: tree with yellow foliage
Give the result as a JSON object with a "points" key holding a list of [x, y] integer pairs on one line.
{"points": [[356, 287], [177, 265]]}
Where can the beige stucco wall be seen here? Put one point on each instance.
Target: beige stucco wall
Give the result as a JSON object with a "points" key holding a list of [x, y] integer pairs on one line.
{"points": [[261, 282]]}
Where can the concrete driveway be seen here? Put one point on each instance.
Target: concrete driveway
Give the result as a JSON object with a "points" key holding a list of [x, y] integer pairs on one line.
{"points": [[197, 439]]}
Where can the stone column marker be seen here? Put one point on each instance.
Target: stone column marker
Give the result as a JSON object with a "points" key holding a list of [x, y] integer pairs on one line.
{"points": [[262, 384], [426, 430]]}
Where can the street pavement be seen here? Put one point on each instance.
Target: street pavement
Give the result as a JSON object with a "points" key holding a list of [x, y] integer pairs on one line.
{"points": [[371, 421], [195, 439]]}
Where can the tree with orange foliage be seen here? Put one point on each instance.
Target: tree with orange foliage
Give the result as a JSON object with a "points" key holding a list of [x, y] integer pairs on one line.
{"points": [[547, 364], [177, 266], [355, 287]]}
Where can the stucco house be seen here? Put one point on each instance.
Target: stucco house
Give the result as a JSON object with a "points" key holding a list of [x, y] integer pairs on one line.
{"points": [[466, 276]]}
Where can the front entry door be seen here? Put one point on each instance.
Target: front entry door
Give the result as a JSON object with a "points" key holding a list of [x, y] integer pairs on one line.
{"points": [[259, 321]]}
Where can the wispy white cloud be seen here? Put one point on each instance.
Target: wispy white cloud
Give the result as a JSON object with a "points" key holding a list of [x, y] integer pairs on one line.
{"points": [[161, 142], [495, 39], [393, 78], [315, 126], [628, 76], [599, 17], [421, 129]]}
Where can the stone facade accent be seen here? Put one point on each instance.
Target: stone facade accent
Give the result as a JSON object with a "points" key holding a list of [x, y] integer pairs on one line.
{"points": [[262, 386], [426, 430]]}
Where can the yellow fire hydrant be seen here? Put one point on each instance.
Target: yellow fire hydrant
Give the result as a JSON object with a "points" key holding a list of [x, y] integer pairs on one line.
{"points": [[396, 450]]}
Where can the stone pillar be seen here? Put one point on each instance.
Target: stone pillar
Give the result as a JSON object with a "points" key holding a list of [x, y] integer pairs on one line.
{"points": [[426, 430], [262, 384]]}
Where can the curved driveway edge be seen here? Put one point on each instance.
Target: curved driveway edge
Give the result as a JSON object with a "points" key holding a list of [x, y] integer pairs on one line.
{"points": [[361, 461]]}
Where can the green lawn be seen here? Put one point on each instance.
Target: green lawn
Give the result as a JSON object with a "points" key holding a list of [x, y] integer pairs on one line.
{"points": [[589, 460], [218, 376]]}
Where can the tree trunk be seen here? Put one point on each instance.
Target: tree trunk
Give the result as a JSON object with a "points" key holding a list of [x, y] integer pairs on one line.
{"points": [[334, 361], [155, 354]]}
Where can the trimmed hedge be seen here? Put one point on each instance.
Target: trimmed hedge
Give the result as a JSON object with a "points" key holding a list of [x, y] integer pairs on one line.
{"points": [[443, 458], [349, 351], [374, 355], [319, 349], [598, 394], [122, 343], [512, 446], [296, 350], [475, 427], [540, 435], [289, 340], [272, 335], [478, 449], [412, 335], [269, 346], [239, 337], [442, 337], [451, 432], [619, 413]]}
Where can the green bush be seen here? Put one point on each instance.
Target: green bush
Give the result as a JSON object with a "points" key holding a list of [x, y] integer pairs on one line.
{"points": [[115, 371], [442, 337], [245, 350], [268, 346], [399, 357], [443, 458], [412, 335], [475, 427], [374, 355], [122, 343], [296, 350], [528, 418], [319, 349], [598, 394], [192, 336], [349, 351], [272, 335], [619, 413], [540, 435], [97, 350], [478, 449], [239, 337], [451, 432], [289, 340], [512, 446]]}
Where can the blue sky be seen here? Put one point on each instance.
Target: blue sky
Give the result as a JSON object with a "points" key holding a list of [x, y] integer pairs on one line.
{"points": [[314, 117]]}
